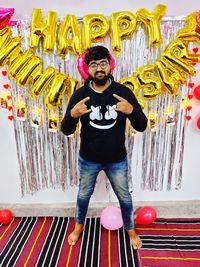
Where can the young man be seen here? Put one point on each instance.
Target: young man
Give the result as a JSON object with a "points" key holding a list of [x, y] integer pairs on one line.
{"points": [[103, 105]]}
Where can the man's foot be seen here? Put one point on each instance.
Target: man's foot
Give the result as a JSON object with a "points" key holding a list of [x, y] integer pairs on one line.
{"points": [[75, 234], [135, 240]]}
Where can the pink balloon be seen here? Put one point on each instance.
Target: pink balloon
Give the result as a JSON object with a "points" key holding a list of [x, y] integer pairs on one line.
{"points": [[4, 10], [12, 23], [111, 218], [112, 63], [145, 215], [83, 68], [5, 16]]}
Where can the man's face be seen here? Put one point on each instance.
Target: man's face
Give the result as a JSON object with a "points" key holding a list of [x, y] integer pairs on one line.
{"points": [[99, 71]]}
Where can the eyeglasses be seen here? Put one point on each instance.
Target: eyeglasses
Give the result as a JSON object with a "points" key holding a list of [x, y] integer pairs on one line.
{"points": [[103, 64]]}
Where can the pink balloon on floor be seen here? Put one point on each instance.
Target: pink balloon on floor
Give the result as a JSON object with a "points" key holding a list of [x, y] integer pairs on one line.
{"points": [[145, 215], [111, 218], [5, 216]]}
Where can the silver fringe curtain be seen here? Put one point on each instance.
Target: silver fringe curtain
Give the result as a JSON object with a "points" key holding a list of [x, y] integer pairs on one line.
{"points": [[48, 159]]}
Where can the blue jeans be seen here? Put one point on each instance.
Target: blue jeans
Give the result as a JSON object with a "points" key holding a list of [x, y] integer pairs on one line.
{"points": [[117, 174]]}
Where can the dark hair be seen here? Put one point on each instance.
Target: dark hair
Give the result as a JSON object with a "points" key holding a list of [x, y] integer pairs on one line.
{"points": [[96, 53]]}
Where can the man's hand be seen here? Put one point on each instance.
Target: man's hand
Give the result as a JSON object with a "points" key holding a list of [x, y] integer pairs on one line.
{"points": [[80, 108], [123, 105]]}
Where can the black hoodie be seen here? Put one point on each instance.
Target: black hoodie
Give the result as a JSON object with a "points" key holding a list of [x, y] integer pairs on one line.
{"points": [[103, 129]]}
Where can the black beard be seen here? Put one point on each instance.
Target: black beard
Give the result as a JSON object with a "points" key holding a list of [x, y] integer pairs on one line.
{"points": [[101, 81]]}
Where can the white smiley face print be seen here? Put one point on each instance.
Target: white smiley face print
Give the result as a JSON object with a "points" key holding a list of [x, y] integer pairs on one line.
{"points": [[105, 118]]}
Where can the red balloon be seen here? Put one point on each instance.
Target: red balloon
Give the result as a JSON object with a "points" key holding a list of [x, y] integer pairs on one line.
{"points": [[196, 92], [145, 215], [198, 123], [5, 216]]}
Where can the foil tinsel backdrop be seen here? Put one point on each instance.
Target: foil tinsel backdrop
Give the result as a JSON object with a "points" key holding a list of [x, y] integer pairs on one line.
{"points": [[49, 159]]}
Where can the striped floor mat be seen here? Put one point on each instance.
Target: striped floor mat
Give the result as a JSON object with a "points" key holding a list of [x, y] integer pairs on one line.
{"points": [[42, 242], [170, 243]]}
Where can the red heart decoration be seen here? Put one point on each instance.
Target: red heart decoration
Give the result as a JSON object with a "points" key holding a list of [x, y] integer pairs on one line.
{"points": [[191, 85], [188, 117], [195, 49], [10, 117], [6, 86], [190, 96], [193, 64], [9, 108], [189, 108], [4, 73], [9, 97]]}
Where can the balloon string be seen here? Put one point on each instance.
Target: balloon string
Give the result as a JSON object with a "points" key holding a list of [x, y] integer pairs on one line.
{"points": [[69, 256], [35, 241], [7, 229], [109, 257]]}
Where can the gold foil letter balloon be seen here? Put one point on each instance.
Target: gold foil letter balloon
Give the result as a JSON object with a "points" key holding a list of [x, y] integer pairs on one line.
{"points": [[95, 28], [69, 36], [72, 86], [133, 84], [170, 76], [123, 25], [177, 54], [43, 82], [152, 23], [47, 30], [30, 72], [192, 31], [25, 68], [10, 50], [17, 64], [4, 36], [56, 90], [150, 81]]}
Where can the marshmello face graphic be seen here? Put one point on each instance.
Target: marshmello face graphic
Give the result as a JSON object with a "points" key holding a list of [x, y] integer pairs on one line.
{"points": [[105, 118]]}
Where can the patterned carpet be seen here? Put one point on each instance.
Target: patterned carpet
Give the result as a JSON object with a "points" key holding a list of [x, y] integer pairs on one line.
{"points": [[42, 242], [170, 243]]}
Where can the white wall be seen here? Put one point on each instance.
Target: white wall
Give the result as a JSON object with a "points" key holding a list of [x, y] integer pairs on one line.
{"points": [[9, 177], [79, 7]]}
